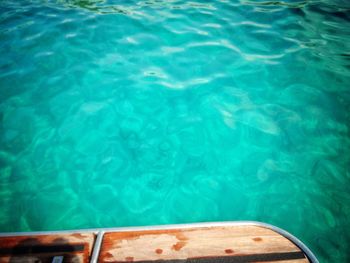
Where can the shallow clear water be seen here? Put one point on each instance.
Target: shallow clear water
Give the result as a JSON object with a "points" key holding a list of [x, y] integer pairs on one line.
{"points": [[119, 113]]}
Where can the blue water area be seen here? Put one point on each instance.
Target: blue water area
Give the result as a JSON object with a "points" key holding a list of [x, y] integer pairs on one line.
{"points": [[123, 113]]}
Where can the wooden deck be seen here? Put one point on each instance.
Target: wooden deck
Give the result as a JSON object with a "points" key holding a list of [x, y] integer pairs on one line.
{"points": [[75, 247], [246, 243]]}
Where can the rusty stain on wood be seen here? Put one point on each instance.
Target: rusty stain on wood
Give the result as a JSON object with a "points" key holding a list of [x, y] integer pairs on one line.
{"points": [[182, 241], [109, 255], [179, 245], [180, 236], [159, 251]]}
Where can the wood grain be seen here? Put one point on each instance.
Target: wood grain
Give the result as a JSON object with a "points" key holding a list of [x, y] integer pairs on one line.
{"points": [[194, 243]]}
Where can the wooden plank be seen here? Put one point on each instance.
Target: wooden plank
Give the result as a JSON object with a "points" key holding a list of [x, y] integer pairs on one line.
{"points": [[231, 242], [43, 248]]}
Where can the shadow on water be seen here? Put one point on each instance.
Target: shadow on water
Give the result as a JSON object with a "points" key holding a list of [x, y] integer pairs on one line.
{"points": [[300, 4], [96, 6], [125, 7], [33, 250]]}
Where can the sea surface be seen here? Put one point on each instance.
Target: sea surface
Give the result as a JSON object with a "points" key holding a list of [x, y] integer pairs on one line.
{"points": [[127, 113]]}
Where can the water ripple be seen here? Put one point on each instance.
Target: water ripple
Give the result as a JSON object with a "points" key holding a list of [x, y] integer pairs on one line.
{"points": [[116, 113]]}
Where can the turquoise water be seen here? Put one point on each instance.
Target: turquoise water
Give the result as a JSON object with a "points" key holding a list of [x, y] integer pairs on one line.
{"points": [[120, 113]]}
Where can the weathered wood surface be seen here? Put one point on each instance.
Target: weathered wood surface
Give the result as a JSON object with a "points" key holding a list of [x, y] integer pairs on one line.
{"points": [[43, 248], [233, 243], [224, 244]]}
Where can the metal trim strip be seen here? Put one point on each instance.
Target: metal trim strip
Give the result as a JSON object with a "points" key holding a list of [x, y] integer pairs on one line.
{"points": [[97, 247]]}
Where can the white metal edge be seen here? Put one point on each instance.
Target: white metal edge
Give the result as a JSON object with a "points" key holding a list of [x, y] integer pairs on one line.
{"points": [[101, 231], [97, 247]]}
